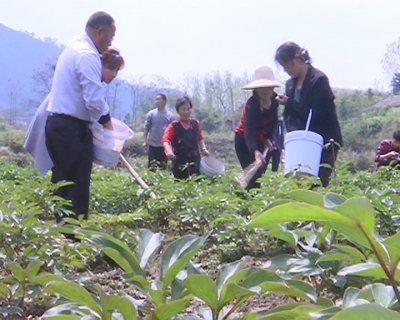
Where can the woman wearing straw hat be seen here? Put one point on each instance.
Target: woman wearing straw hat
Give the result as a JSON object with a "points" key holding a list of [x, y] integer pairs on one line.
{"points": [[259, 119], [308, 89]]}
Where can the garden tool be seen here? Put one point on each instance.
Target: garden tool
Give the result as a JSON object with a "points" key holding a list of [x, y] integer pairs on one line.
{"points": [[249, 172], [135, 175]]}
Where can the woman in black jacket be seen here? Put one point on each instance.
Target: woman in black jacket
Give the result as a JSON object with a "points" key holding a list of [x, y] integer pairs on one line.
{"points": [[308, 89]]}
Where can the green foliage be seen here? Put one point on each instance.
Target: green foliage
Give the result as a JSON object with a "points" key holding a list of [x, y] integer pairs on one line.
{"points": [[370, 126], [343, 240]]}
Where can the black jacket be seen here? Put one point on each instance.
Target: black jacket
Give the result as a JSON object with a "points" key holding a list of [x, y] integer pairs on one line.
{"points": [[316, 94], [257, 124]]}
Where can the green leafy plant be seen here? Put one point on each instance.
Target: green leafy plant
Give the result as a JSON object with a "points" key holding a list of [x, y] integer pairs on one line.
{"points": [[354, 220]]}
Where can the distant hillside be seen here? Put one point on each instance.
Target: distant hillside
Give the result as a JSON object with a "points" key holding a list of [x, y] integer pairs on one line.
{"points": [[24, 55], [20, 55]]}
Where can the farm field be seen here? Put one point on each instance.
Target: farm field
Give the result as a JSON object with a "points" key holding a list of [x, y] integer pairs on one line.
{"points": [[204, 249]]}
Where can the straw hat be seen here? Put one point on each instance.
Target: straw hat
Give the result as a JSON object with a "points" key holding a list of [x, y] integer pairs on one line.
{"points": [[263, 77]]}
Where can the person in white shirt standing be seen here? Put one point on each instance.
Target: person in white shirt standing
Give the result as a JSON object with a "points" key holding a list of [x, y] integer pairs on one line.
{"points": [[157, 120], [77, 98]]}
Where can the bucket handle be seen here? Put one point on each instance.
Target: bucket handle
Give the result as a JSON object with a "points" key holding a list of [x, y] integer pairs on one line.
{"points": [[308, 122]]}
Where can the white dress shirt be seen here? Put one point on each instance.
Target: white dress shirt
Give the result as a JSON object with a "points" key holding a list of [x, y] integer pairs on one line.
{"points": [[77, 89]]}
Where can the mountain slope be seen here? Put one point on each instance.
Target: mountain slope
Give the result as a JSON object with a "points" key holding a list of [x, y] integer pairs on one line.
{"points": [[20, 55]]}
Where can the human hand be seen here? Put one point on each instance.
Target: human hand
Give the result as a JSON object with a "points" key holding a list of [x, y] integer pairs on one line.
{"points": [[108, 125], [259, 156], [205, 152], [144, 144], [394, 154], [170, 155], [270, 145], [282, 99]]}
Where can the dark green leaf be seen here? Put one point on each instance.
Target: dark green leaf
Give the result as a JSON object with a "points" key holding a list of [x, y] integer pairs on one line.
{"points": [[234, 291], [307, 196], [204, 288], [366, 312], [333, 199], [392, 244], [324, 302], [3, 291], [337, 256], [108, 241], [350, 298], [354, 252], [288, 236], [368, 269], [278, 203], [44, 278], [148, 243], [176, 289], [293, 289], [69, 309], [11, 310], [32, 269], [177, 255], [158, 297], [16, 270], [168, 310], [226, 272], [301, 288], [294, 212], [257, 276], [379, 293], [290, 311], [122, 304], [73, 292], [325, 314], [117, 257]]}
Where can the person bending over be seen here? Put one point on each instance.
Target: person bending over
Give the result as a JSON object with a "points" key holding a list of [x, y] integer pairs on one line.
{"points": [[259, 119], [388, 151]]}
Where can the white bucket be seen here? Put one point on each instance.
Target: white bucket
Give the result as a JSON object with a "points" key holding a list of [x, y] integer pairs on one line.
{"points": [[108, 144], [211, 167], [303, 152]]}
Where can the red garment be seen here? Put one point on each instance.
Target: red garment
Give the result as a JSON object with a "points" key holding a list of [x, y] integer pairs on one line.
{"points": [[169, 133], [257, 124], [385, 147]]}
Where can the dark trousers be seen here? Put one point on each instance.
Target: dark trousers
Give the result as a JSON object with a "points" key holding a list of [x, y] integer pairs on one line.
{"points": [[389, 162], [157, 158], [246, 158], [184, 171], [275, 156], [328, 157], [69, 142]]}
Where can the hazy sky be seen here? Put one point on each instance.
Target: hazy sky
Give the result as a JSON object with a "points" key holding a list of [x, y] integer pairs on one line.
{"points": [[346, 38]]}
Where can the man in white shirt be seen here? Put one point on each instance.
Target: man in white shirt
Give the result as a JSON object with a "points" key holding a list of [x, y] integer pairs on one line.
{"points": [[77, 99], [157, 120]]}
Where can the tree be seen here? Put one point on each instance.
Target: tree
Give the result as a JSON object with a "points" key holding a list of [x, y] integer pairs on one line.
{"points": [[391, 60], [112, 95], [13, 92], [136, 87], [43, 79], [395, 84]]}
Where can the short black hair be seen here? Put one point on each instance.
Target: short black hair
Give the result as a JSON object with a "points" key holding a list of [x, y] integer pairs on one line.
{"points": [[396, 135], [181, 101], [100, 19], [162, 95]]}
